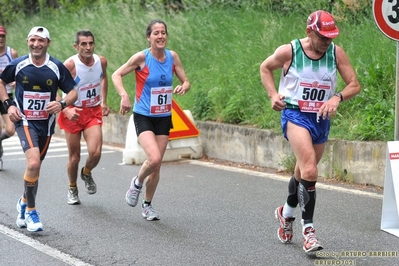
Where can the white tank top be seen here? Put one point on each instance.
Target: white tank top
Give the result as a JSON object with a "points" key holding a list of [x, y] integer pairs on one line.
{"points": [[88, 80], [308, 83], [4, 60]]}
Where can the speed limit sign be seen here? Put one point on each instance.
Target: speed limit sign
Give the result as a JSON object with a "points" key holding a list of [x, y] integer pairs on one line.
{"points": [[386, 16]]}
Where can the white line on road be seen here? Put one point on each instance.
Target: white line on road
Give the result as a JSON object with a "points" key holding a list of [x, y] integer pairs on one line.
{"points": [[56, 156], [55, 147], [285, 178], [42, 248], [74, 261]]}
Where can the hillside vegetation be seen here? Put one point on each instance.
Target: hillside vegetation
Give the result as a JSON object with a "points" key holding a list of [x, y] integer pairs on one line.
{"points": [[221, 45]]}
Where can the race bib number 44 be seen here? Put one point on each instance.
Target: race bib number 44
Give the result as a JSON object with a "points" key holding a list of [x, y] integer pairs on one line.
{"points": [[35, 105], [89, 95], [312, 94]]}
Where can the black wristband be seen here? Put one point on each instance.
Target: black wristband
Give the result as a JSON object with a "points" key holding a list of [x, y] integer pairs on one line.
{"points": [[7, 103]]}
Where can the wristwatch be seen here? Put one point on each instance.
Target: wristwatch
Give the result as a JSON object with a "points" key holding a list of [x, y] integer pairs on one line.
{"points": [[63, 104], [338, 94]]}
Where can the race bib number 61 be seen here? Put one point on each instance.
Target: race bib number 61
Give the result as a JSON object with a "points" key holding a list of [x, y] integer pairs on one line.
{"points": [[161, 100]]}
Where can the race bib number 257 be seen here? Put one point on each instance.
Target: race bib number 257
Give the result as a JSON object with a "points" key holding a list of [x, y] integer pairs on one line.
{"points": [[35, 105]]}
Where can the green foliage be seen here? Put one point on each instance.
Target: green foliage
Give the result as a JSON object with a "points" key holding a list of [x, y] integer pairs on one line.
{"points": [[376, 103], [342, 174], [352, 11], [9, 12], [346, 9], [221, 45], [201, 105], [288, 162], [303, 7], [76, 5]]}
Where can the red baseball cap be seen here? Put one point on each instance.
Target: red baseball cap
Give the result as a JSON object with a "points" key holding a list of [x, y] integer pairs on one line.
{"points": [[3, 30], [324, 23]]}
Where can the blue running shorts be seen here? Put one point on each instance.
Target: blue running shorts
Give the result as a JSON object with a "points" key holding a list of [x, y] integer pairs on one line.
{"points": [[318, 128]]}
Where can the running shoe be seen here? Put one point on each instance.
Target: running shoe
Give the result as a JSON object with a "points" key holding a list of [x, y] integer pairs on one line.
{"points": [[90, 186], [310, 242], [21, 208], [32, 220], [149, 213], [73, 197], [132, 195], [284, 232]]}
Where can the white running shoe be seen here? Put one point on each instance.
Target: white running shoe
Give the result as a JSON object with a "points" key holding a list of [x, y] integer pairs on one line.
{"points": [[73, 198], [32, 220], [132, 195], [310, 242], [90, 185], [149, 213], [21, 208]]}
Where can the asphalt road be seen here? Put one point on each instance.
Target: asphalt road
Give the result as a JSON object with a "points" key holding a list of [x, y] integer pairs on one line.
{"points": [[210, 215]]}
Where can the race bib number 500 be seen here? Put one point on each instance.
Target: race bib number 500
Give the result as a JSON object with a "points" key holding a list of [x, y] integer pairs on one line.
{"points": [[312, 94]]}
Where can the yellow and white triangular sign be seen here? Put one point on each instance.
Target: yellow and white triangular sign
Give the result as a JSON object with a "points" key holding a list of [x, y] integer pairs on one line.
{"points": [[182, 126]]}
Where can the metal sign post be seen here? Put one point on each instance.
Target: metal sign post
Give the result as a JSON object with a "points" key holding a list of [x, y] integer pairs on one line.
{"points": [[397, 95], [386, 16]]}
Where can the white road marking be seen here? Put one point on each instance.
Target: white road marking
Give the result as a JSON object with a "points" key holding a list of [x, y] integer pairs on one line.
{"points": [[42, 248], [13, 148], [285, 178], [74, 261]]}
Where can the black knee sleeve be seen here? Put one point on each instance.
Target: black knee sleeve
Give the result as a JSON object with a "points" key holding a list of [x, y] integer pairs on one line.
{"points": [[307, 198], [292, 186], [30, 192], [292, 199], [303, 197]]}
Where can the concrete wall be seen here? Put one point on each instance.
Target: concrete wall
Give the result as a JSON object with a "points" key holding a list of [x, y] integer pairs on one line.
{"points": [[362, 162]]}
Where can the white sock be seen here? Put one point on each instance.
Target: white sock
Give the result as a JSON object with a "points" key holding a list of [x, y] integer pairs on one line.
{"points": [[288, 211], [137, 183], [304, 226]]}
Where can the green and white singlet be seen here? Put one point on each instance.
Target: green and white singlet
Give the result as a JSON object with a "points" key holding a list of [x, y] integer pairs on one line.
{"points": [[308, 83]]}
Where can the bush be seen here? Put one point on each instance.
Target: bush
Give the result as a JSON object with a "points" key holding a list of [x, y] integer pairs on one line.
{"points": [[221, 45]]}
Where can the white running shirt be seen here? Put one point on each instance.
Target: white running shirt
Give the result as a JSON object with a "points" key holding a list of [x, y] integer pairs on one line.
{"points": [[308, 83]]}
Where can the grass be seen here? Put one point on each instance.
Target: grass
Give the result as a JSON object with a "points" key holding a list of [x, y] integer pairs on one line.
{"points": [[221, 50]]}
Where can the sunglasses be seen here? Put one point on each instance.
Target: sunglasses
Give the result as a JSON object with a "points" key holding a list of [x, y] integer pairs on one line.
{"points": [[321, 37]]}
